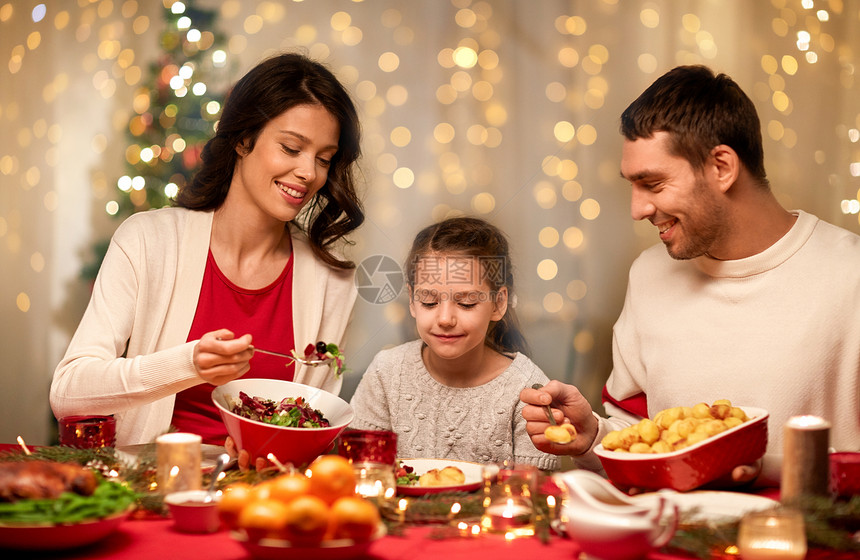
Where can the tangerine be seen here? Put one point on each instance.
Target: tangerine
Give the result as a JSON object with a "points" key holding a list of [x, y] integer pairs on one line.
{"points": [[262, 490], [353, 517], [306, 520], [288, 487], [331, 477], [233, 498], [264, 518]]}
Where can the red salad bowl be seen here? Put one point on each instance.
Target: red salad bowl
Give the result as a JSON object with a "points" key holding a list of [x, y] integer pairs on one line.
{"points": [[693, 466], [298, 446]]}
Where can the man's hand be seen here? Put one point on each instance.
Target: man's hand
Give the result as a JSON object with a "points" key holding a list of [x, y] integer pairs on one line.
{"points": [[568, 405], [743, 474]]}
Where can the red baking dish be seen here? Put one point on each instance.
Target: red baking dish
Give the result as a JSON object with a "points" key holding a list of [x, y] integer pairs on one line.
{"points": [[693, 466]]}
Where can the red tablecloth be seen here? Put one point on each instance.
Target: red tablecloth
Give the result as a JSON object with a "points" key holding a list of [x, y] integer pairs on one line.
{"points": [[156, 539]]}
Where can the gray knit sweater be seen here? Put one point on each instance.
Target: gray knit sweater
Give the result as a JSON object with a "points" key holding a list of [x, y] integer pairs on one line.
{"points": [[480, 424]]}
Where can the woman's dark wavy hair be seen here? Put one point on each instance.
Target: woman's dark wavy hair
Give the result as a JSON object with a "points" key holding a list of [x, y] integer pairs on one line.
{"points": [[474, 237], [699, 110], [272, 87]]}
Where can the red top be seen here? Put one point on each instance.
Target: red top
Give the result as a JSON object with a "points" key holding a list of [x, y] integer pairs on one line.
{"points": [[267, 314], [637, 404]]}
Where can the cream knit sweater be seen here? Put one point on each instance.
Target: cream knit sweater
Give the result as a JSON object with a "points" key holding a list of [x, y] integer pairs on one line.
{"points": [[482, 424], [779, 330], [129, 355]]}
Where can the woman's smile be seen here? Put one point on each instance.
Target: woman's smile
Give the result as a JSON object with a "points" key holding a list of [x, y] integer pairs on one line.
{"points": [[294, 192]]}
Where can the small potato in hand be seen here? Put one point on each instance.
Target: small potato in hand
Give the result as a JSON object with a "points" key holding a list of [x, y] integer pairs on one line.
{"points": [[565, 433]]}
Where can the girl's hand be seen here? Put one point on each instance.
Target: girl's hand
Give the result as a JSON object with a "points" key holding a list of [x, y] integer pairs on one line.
{"points": [[219, 357], [568, 405]]}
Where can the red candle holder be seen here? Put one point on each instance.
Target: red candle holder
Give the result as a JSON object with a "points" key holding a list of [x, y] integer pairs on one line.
{"points": [[845, 473], [368, 446], [87, 432]]}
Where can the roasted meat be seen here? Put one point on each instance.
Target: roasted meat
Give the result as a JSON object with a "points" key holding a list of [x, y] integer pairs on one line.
{"points": [[43, 479]]}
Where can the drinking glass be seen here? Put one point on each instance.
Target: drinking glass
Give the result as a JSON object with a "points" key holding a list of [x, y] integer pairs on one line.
{"points": [[777, 534], [845, 474], [509, 491], [87, 432], [373, 454]]}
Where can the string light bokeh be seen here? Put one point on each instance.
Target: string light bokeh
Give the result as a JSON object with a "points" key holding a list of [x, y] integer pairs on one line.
{"points": [[499, 108]]}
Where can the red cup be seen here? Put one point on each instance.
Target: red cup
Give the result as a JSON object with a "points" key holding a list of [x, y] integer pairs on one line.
{"points": [[845, 473], [87, 432], [368, 446]]}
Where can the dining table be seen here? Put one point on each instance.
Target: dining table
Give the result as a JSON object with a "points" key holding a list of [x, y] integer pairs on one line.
{"points": [[148, 539], [148, 536]]}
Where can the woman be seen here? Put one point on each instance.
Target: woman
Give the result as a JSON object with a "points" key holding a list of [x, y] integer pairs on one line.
{"points": [[248, 255]]}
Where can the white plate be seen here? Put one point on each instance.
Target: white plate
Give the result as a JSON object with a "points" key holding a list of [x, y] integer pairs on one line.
{"points": [[705, 505], [208, 458], [472, 471]]}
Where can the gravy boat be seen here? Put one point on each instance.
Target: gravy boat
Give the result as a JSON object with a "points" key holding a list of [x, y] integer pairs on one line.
{"points": [[607, 524]]}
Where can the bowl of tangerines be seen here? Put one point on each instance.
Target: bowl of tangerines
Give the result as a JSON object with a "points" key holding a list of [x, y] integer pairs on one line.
{"points": [[314, 514]]}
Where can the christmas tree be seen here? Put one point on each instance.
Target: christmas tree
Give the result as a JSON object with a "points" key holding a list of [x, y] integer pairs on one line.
{"points": [[174, 113]]}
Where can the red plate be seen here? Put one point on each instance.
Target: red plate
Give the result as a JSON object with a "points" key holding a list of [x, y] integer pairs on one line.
{"points": [[694, 466], [421, 466], [277, 549], [59, 537]]}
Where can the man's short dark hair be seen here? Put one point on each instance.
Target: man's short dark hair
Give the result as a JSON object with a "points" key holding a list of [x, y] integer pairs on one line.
{"points": [[699, 110]]}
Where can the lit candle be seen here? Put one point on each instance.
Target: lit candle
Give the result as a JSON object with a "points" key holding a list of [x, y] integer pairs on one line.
{"points": [[281, 467], [373, 480], [772, 535], [805, 461], [455, 509], [508, 505], [23, 445], [178, 462], [550, 503], [509, 517], [401, 509]]}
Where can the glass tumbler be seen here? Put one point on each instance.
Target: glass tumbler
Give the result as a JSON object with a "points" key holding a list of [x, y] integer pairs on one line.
{"points": [[509, 491], [777, 534], [373, 455], [87, 432]]}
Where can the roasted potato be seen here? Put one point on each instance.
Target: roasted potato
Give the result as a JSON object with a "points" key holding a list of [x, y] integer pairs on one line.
{"points": [[676, 428]]}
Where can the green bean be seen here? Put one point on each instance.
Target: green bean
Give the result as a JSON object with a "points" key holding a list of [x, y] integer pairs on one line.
{"points": [[109, 498]]}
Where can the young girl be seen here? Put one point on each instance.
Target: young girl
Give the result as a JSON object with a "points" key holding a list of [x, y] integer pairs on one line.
{"points": [[454, 394]]}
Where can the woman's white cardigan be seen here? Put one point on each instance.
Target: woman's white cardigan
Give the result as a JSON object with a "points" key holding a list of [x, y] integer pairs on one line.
{"points": [[129, 355]]}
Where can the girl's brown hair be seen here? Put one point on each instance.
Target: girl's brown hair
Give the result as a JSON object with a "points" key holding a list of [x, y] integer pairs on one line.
{"points": [[474, 237]]}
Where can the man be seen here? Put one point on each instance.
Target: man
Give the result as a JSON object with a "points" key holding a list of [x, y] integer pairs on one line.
{"points": [[749, 302]]}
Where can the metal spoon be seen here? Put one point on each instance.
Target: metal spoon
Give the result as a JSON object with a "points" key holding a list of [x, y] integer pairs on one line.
{"points": [[223, 459], [546, 407]]}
